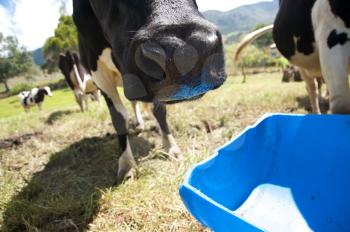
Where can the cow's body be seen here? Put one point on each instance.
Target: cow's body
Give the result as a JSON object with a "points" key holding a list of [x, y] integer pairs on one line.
{"points": [[164, 51], [314, 36], [78, 79], [36, 96]]}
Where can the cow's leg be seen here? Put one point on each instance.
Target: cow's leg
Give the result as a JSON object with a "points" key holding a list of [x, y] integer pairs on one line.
{"points": [[97, 95], [106, 82], [169, 143], [138, 115], [334, 62], [40, 106], [126, 161], [86, 101], [332, 39], [312, 89], [79, 99]]}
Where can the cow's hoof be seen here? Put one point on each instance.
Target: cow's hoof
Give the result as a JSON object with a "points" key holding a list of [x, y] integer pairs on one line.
{"points": [[133, 124], [340, 106], [125, 174], [175, 152]]}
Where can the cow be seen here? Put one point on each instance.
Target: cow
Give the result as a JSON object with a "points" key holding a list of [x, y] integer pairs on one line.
{"points": [[36, 96], [163, 51], [78, 79], [80, 82], [314, 35]]}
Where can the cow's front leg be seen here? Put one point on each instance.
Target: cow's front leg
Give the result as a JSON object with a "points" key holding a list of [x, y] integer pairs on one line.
{"points": [[106, 81], [126, 161], [335, 63], [79, 98], [311, 87], [40, 106], [86, 101], [169, 143], [138, 115]]}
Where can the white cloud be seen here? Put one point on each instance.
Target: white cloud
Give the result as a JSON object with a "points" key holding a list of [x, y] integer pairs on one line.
{"points": [[5, 21], [32, 21]]}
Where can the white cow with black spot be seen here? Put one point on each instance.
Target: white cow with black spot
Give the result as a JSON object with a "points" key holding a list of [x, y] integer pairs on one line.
{"points": [[36, 96]]}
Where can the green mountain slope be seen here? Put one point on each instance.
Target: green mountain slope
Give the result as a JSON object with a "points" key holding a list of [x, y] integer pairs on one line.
{"points": [[243, 18]]}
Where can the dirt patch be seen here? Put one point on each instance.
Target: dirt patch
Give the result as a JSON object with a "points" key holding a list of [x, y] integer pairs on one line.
{"points": [[18, 140]]}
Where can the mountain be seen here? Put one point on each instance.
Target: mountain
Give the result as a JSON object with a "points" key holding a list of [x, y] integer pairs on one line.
{"points": [[243, 18], [38, 57]]}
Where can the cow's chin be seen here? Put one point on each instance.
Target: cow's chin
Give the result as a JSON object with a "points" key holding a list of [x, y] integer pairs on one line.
{"points": [[172, 102]]}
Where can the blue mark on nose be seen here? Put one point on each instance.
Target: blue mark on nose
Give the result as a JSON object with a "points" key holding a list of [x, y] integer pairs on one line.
{"points": [[188, 92]]}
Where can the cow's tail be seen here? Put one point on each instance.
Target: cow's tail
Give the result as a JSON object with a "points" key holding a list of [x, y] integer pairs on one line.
{"points": [[248, 39]]}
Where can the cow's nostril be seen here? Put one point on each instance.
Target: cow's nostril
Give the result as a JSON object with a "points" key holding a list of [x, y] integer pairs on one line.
{"points": [[151, 60], [185, 57], [154, 52]]}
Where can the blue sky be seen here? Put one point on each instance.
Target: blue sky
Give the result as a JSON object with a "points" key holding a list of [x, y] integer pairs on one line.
{"points": [[33, 21]]}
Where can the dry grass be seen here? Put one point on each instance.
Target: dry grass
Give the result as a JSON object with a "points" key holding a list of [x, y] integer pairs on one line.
{"points": [[63, 179]]}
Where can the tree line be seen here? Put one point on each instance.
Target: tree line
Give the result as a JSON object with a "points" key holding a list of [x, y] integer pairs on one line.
{"points": [[16, 60]]}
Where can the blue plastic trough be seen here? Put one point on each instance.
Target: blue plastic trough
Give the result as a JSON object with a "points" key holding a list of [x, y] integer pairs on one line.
{"points": [[287, 173]]}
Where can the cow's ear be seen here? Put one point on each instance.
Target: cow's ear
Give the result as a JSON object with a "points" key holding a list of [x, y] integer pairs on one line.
{"points": [[62, 61], [76, 58]]}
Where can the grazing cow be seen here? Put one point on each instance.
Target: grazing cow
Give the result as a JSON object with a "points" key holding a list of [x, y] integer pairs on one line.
{"points": [[81, 83], [78, 79], [314, 35], [36, 96], [164, 51]]}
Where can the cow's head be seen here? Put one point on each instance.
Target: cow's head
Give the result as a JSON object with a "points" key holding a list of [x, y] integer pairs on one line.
{"points": [[165, 49], [69, 64], [46, 91]]}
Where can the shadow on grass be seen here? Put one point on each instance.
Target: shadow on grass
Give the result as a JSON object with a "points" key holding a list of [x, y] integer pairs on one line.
{"points": [[65, 195], [304, 102], [15, 101], [58, 115]]}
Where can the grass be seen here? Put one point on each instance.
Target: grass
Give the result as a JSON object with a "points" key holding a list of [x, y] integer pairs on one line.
{"points": [[63, 178]]}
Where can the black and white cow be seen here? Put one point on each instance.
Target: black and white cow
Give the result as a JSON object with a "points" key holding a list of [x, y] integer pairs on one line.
{"points": [[78, 79], [314, 35], [81, 83], [36, 96], [164, 51]]}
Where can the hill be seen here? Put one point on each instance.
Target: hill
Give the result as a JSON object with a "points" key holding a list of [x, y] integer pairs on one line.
{"points": [[244, 18], [38, 56]]}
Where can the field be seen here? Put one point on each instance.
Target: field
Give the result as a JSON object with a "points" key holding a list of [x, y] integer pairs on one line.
{"points": [[58, 167]]}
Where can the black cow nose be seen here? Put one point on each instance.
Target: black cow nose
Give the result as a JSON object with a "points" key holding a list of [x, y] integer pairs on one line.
{"points": [[174, 57]]}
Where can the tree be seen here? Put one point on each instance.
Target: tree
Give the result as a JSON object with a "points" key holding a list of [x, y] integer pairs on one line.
{"points": [[265, 40], [65, 38], [63, 7], [14, 60]]}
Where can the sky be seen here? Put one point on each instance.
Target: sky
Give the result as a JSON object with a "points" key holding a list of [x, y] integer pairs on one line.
{"points": [[33, 21]]}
